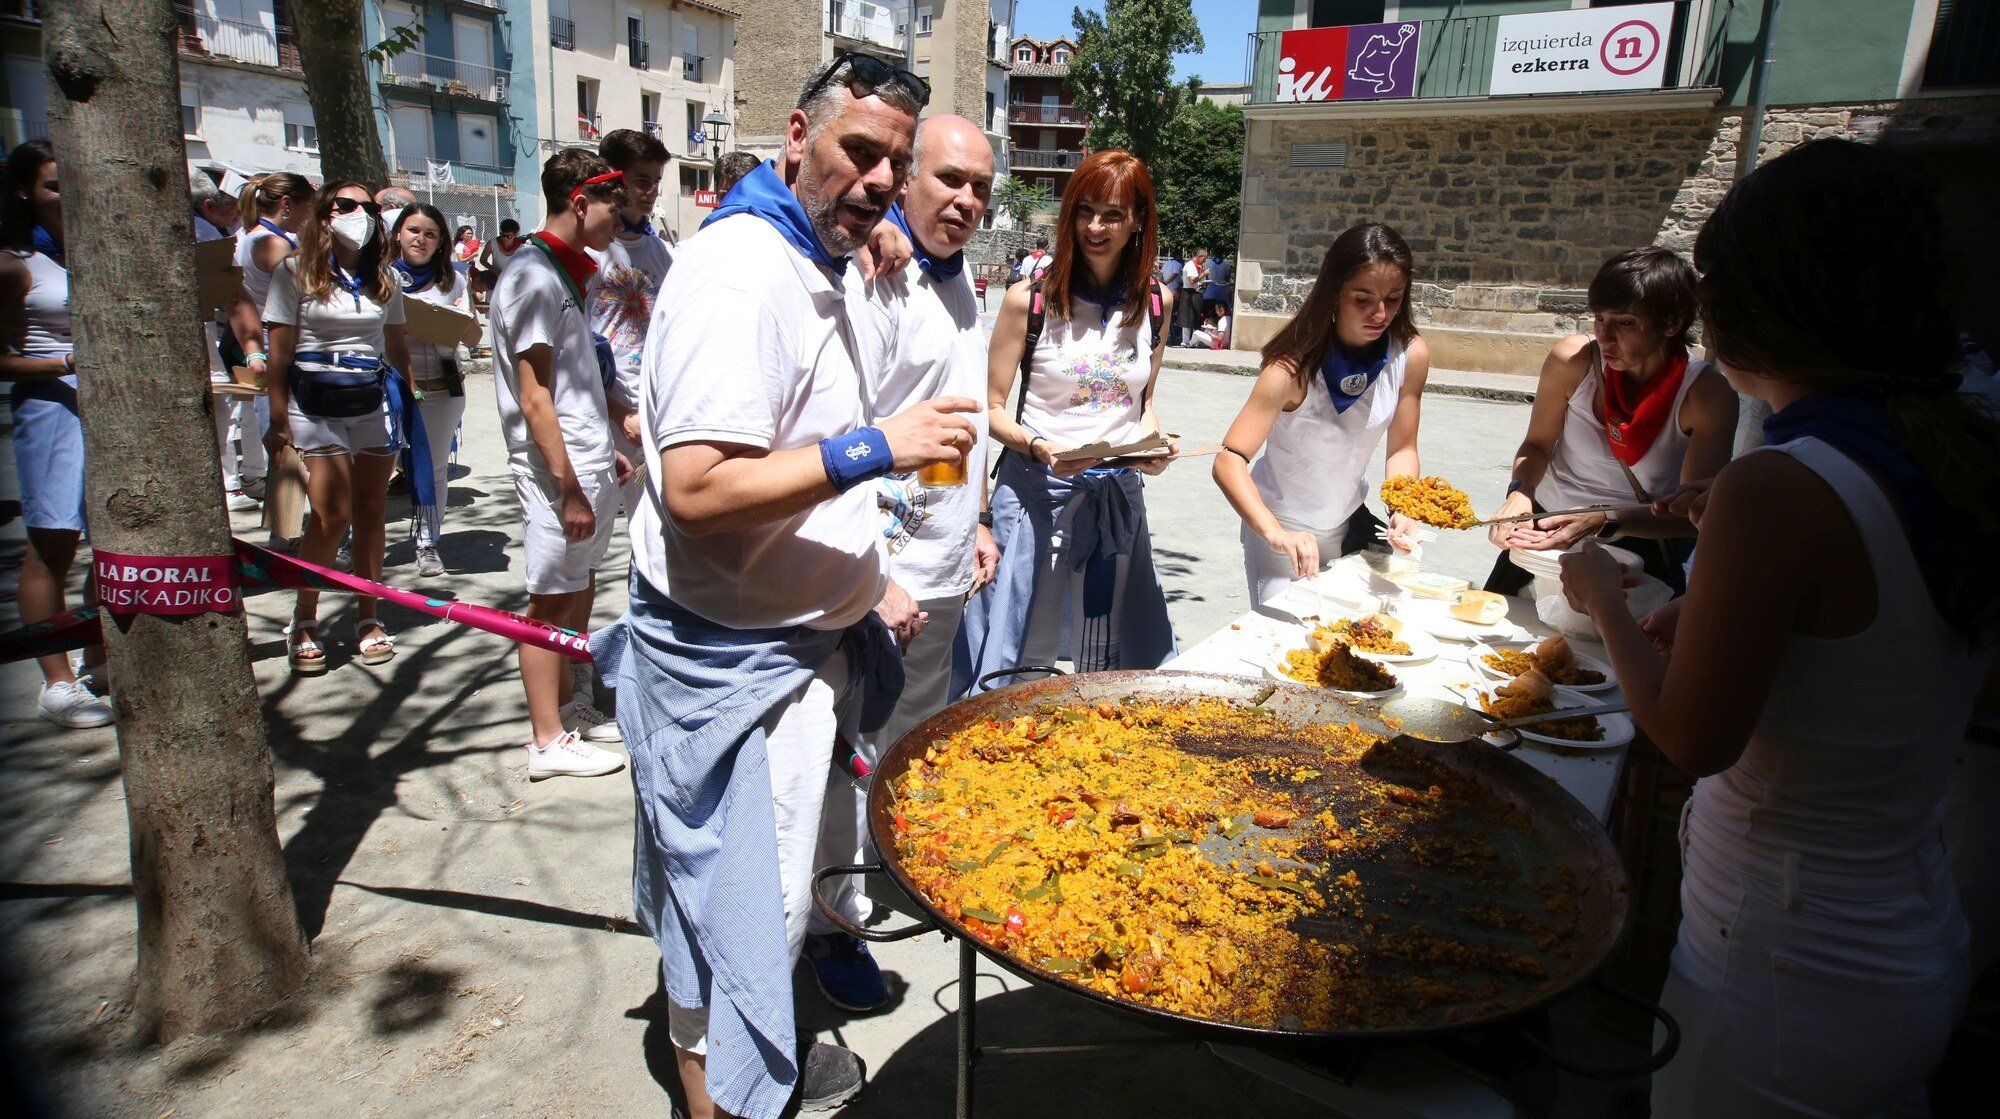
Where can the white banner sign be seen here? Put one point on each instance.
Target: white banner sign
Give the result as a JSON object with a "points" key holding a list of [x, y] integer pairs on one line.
{"points": [[440, 173], [1582, 50]]}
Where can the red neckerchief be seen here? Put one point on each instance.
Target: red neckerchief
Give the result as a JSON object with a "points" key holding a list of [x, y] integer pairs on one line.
{"points": [[579, 266], [1631, 425], [510, 243]]}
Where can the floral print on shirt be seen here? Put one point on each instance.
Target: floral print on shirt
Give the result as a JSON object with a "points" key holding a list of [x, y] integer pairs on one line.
{"points": [[621, 306], [1100, 382]]}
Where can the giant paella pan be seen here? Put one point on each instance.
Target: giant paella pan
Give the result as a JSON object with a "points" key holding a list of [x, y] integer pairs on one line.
{"points": [[1244, 859]]}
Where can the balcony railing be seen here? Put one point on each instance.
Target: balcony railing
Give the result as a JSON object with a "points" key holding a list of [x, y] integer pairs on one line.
{"points": [[639, 53], [462, 173], [445, 75], [863, 22], [562, 33], [1965, 46], [203, 36], [1022, 112], [1455, 56], [1041, 159], [589, 126], [652, 128], [692, 67]]}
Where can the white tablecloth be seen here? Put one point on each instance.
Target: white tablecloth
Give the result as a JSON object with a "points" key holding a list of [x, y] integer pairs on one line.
{"points": [[1244, 647]]}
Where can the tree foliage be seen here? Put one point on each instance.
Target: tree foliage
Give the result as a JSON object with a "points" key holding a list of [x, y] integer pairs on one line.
{"points": [[1019, 200], [1123, 72], [1199, 179]]}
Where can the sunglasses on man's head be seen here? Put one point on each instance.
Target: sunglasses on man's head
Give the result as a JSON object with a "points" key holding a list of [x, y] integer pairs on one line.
{"points": [[867, 70], [349, 205]]}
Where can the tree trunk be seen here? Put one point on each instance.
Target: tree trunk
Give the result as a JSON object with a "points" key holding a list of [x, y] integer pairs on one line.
{"points": [[219, 940], [331, 45]]}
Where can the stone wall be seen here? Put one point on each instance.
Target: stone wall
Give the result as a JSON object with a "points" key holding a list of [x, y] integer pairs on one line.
{"points": [[778, 45], [998, 246], [1508, 217]]}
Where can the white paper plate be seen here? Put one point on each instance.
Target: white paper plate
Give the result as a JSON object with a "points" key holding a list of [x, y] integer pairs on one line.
{"points": [[1274, 667], [1423, 646], [1435, 617], [1618, 728], [1477, 659]]}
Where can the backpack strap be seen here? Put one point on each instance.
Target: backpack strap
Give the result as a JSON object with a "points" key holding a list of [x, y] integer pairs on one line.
{"points": [[1156, 306], [1037, 316]]}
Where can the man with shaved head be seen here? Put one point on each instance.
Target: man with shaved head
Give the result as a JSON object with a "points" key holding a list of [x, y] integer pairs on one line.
{"points": [[918, 337]]}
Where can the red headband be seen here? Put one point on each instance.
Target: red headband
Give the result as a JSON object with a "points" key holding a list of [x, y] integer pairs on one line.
{"points": [[607, 177]]}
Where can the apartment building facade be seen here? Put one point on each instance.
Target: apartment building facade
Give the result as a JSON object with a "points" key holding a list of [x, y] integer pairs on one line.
{"points": [[660, 66], [1044, 124], [450, 107]]}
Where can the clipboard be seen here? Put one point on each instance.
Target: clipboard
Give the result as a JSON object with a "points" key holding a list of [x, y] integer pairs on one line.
{"points": [[440, 326], [1148, 446], [216, 274]]}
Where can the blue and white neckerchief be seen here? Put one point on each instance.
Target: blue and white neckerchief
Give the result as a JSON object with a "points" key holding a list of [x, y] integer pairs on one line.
{"points": [[416, 279], [352, 284], [1347, 376], [935, 267], [1111, 299], [48, 244], [274, 227], [643, 227]]}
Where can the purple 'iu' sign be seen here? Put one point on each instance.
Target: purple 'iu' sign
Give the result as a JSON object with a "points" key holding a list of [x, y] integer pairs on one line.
{"points": [[1381, 61]]}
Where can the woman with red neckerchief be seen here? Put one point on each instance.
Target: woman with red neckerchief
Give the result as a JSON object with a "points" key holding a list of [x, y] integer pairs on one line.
{"points": [[1622, 416]]}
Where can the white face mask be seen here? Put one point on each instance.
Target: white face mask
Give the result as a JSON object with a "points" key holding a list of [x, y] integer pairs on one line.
{"points": [[355, 229], [389, 218]]}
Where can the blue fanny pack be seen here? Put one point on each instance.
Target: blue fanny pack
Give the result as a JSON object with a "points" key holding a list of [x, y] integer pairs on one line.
{"points": [[354, 387]]}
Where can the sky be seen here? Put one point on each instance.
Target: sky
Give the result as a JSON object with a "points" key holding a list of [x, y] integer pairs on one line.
{"points": [[1224, 24]]}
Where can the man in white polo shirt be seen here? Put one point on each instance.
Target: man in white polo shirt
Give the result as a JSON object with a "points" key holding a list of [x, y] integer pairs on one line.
{"points": [[919, 337], [751, 635]]}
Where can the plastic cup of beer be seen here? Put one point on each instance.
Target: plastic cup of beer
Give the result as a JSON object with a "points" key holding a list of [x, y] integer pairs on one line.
{"points": [[940, 474]]}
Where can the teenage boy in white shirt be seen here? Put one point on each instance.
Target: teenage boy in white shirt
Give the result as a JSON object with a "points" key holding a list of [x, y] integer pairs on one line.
{"points": [[558, 431], [758, 573], [919, 337], [629, 272]]}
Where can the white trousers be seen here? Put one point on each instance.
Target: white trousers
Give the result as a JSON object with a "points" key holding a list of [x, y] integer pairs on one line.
{"points": [[441, 411], [1269, 572], [926, 688], [240, 422], [799, 738], [1809, 994]]}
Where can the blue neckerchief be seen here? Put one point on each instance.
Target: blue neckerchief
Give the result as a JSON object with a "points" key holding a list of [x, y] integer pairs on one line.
{"points": [[416, 279], [274, 227], [933, 267], [763, 193], [352, 284], [644, 226], [48, 244], [1111, 299], [1348, 376], [1859, 427]]}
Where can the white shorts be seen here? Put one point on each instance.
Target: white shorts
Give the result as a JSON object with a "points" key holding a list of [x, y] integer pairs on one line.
{"points": [[326, 435], [557, 565]]}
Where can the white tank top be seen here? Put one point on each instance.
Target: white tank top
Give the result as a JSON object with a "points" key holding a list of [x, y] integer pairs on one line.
{"points": [[1311, 474], [256, 281], [1847, 768], [45, 308], [1088, 380], [1582, 470]]}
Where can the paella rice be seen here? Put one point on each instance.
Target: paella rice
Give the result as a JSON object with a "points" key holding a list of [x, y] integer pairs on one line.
{"points": [[1430, 500], [1368, 634], [1514, 662], [1583, 729], [1336, 666]]}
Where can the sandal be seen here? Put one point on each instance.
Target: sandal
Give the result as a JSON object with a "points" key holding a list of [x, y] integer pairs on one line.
{"points": [[376, 649], [302, 649]]}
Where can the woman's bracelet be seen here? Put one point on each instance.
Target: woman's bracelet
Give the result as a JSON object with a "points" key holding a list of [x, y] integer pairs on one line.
{"points": [[69, 364], [248, 358], [1032, 440]]}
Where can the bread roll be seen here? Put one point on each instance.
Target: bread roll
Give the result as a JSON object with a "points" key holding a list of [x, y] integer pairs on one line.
{"points": [[1528, 685], [1554, 653], [1481, 608]]}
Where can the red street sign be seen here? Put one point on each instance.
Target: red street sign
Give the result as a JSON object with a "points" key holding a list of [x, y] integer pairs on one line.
{"points": [[705, 198]]}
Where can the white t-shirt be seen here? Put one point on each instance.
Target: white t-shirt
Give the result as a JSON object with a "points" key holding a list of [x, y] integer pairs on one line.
{"points": [[747, 348], [920, 338], [621, 297], [339, 323], [532, 306], [427, 358]]}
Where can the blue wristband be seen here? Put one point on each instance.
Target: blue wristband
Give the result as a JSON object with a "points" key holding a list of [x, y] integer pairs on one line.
{"points": [[857, 457]]}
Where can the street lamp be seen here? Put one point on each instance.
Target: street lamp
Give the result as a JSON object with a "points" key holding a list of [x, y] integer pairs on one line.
{"points": [[715, 128]]}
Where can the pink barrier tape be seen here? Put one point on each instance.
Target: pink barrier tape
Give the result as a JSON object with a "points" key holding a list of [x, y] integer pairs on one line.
{"points": [[79, 628]]}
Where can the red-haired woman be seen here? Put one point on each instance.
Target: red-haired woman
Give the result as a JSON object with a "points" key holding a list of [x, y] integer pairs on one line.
{"points": [[1347, 372], [1088, 337]]}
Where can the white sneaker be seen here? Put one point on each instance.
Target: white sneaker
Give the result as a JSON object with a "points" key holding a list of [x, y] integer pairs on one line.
{"points": [[428, 564], [588, 723], [567, 756], [240, 502], [71, 705]]}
